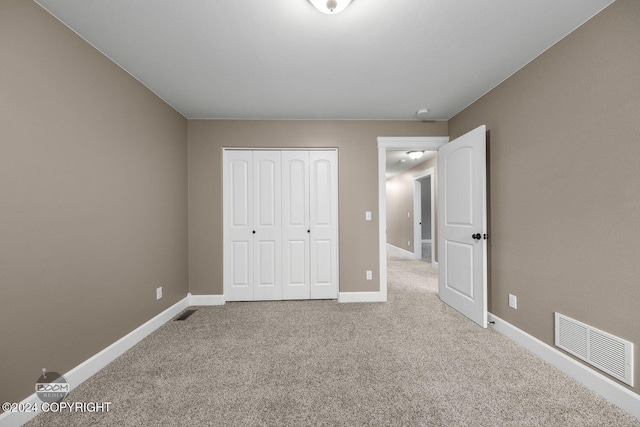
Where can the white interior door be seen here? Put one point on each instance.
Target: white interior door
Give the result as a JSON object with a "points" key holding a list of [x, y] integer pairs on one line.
{"points": [[280, 224], [238, 202], [462, 245], [323, 224], [267, 229], [295, 225]]}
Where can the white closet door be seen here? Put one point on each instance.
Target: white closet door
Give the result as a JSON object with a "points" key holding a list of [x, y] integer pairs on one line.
{"points": [[295, 225], [238, 202], [267, 213], [323, 224]]}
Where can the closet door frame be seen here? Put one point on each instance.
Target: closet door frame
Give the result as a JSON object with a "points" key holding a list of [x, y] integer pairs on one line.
{"points": [[226, 219]]}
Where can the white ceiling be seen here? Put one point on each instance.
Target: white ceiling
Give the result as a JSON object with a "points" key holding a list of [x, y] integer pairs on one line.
{"points": [[398, 161], [283, 59]]}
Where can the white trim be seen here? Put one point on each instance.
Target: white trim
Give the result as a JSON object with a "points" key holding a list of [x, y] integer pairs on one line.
{"points": [[425, 173], [280, 148], [427, 143], [206, 300], [360, 297], [435, 264], [404, 252], [418, 246], [430, 143], [89, 367], [382, 219], [597, 382], [16, 419], [417, 218]]}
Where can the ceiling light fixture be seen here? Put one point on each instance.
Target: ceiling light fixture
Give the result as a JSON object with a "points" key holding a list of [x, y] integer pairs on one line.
{"points": [[422, 114], [415, 155], [330, 7]]}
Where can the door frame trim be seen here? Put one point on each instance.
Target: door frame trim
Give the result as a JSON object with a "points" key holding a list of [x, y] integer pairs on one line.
{"points": [[417, 238], [427, 143]]}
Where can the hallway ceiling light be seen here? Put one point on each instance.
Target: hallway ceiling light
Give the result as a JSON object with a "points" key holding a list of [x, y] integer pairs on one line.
{"points": [[415, 155], [330, 7]]}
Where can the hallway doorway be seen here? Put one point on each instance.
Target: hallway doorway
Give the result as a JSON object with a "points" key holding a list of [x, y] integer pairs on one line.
{"points": [[395, 143]]}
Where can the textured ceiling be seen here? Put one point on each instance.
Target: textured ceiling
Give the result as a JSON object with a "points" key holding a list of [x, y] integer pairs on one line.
{"points": [[282, 59]]}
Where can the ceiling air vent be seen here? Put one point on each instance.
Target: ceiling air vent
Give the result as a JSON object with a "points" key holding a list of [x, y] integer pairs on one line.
{"points": [[606, 352]]}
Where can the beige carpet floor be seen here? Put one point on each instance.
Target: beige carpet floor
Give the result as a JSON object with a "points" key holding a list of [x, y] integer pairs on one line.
{"points": [[412, 361]]}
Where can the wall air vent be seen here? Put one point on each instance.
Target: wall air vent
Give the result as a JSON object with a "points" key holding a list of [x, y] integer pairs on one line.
{"points": [[606, 352]]}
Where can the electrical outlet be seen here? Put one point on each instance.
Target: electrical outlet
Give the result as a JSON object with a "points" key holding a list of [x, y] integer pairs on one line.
{"points": [[409, 243], [513, 301], [369, 275], [159, 292], [367, 216], [408, 214]]}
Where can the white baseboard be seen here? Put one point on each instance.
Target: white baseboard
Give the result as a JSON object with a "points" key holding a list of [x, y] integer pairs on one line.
{"points": [[402, 251], [89, 367], [597, 382], [206, 300], [435, 264], [359, 297], [16, 419]]}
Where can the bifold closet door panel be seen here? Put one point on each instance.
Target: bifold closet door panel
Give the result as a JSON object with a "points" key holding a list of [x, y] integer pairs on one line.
{"points": [[267, 220], [323, 224], [295, 225], [238, 209], [281, 225]]}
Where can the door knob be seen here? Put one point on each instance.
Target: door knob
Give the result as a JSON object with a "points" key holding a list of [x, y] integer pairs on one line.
{"points": [[476, 236]]}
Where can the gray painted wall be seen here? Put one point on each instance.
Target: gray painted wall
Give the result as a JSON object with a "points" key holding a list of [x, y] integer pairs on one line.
{"points": [[400, 202], [93, 200], [565, 181], [357, 187]]}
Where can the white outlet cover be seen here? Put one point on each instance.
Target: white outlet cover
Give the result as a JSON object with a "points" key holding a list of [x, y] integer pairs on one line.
{"points": [[367, 215], [159, 292], [513, 301], [369, 275]]}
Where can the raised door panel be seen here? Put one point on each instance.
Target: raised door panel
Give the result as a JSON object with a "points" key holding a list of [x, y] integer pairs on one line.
{"points": [[459, 191], [267, 213], [323, 224], [295, 225], [463, 249], [238, 202]]}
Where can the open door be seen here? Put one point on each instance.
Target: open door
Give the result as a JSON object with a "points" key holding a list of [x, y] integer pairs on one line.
{"points": [[462, 238]]}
